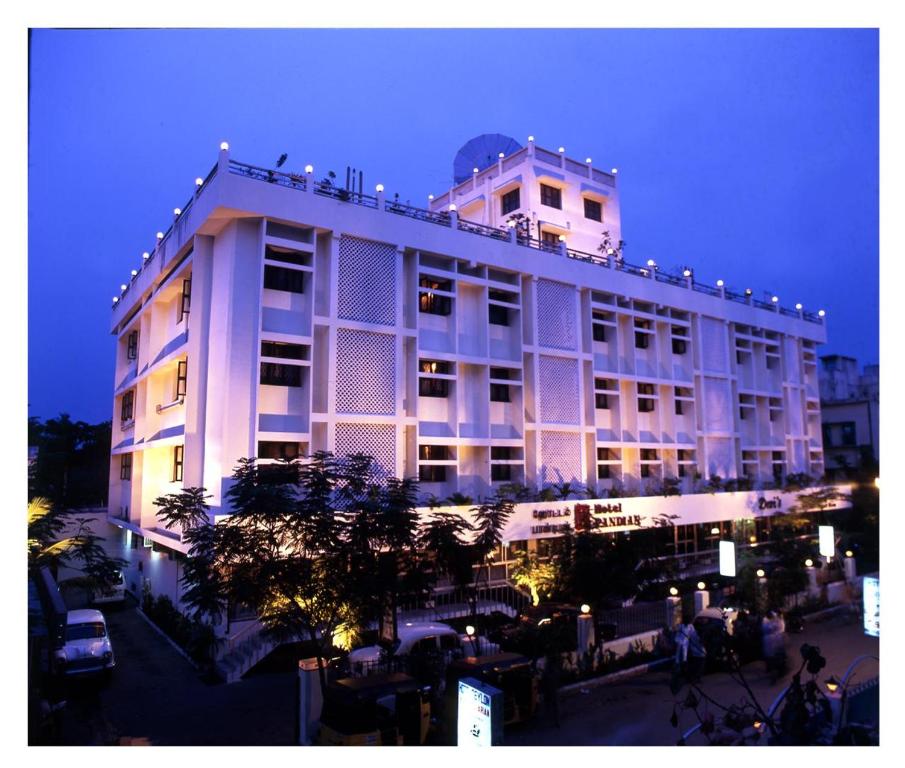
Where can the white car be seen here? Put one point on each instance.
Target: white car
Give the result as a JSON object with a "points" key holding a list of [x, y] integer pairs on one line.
{"points": [[115, 592], [411, 637], [87, 649]]}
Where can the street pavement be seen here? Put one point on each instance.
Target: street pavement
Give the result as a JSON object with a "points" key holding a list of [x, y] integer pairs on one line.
{"points": [[637, 711]]}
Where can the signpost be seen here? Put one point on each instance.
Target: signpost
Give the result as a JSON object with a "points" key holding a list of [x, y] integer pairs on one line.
{"points": [[479, 720]]}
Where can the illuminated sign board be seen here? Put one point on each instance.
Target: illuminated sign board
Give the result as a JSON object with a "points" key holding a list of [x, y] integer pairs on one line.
{"points": [[727, 558], [871, 590], [827, 540], [479, 721]]}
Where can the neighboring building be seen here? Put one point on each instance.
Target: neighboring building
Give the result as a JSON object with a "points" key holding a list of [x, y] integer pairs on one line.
{"points": [[279, 316], [850, 411]]}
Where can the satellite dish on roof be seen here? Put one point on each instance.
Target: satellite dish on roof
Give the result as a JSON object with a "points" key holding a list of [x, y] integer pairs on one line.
{"points": [[482, 152]]}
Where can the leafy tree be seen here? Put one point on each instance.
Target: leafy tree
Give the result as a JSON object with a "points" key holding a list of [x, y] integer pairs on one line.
{"points": [[490, 519], [58, 537], [541, 577]]}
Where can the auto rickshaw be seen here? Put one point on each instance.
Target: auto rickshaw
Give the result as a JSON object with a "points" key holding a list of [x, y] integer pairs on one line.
{"points": [[388, 710], [511, 673]]}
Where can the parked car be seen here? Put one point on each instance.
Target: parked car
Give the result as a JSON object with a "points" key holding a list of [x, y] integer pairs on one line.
{"points": [[87, 649], [539, 628], [115, 592], [413, 638]]}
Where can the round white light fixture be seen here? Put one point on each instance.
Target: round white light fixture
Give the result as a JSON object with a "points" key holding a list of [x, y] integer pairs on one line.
{"points": [[760, 573], [122, 287], [651, 263], [224, 145], [748, 291], [610, 251], [687, 273], [849, 553], [587, 160], [160, 235], [510, 224], [798, 307], [714, 531], [146, 256], [530, 138], [809, 563], [379, 187], [115, 299], [585, 608], [475, 170], [134, 272], [701, 585], [614, 171], [177, 211], [562, 238], [752, 538], [430, 197], [562, 149], [501, 155], [719, 283], [673, 591], [309, 168], [821, 313], [469, 630], [774, 299], [452, 207], [199, 181]]}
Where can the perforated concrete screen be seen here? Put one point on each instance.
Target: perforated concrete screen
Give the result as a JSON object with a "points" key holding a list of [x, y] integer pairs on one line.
{"points": [[365, 372], [558, 386], [366, 281], [560, 457], [376, 440], [556, 323], [717, 407], [713, 345]]}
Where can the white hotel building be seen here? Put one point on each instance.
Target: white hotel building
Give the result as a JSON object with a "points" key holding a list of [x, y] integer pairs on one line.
{"points": [[279, 316]]}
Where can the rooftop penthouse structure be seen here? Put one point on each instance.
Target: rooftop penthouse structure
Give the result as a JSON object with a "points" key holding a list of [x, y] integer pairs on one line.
{"points": [[497, 336]]}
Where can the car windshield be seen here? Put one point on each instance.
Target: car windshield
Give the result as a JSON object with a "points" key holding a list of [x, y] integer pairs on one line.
{"points": [[86, 631]]}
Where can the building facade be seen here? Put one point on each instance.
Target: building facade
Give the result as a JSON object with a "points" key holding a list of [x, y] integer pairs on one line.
{"points": [[495, 337], [850, 413]]}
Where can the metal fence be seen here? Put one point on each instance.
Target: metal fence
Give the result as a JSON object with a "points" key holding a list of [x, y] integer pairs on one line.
{"points": [[631, 620]]}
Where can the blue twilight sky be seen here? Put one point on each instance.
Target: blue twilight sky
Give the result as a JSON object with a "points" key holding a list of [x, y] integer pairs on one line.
{"points": [[751, 155]]}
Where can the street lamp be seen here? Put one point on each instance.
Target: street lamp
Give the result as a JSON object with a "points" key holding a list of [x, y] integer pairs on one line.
{"points": [[832, 684], [673, 591], [585, 608], [809, 563], [760, 573]]}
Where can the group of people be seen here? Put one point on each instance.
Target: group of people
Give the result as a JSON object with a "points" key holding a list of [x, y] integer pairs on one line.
{"points": [[753, 638]]}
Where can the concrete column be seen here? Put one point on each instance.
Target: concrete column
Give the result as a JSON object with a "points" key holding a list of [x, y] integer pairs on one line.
{"points": [[453, 217], [813, 587], [311, 701], [701, 600], [585, 632], [673, 612], [761, 594], [380, 200], [849, 568], [309, 180], [513, 235]]}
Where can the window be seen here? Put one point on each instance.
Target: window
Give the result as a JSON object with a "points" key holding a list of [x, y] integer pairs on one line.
{"points": [[601, 401], [177, 463], [648, 454], [282, 279], [286, 254], [645, 388], [132, 346], [777, 472], [276, 450], [742, 413], [593, 210], [281, 349], [181, 378], [433, 304], [498, 315], [603, 471], [281, 375], [433, 452], [186, 303], [125, 466], [645, 405], [551, 196], [605, 454], [499, 393], [739, 359], [126, 409], [679, 346], [550, 238], [510, 201], [682, 470], [599, 332], [500, 472], [645, 470], [642, 340], [434, 366], [680, 407], [431, 473], [500, 373], [848, 433], [502, 453], [433, 387], [435, 284]]}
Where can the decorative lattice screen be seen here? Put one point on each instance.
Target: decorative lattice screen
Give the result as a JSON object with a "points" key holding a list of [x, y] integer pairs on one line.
{"points": [[365, 372], [718, 409], [713, 345], [560, 457], [556, 320], [377, 440], [367, 281], [793, 368], [558, 387]]}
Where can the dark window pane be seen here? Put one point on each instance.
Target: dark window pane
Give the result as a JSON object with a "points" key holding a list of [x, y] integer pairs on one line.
{"points": [[599, 332], [282, 279], [500, 472], [430, 473], [678, 346], [433, 452], [433, 387], [125, 466], [499, 393], [501, 452], [434, 366], [280, 375], [434, 304], [593, 210], [498, 315], [510, 201], [601, 401], [603, 471], [281, 349], [277, 450], [642, 340], [286, 254], [551, 196]]}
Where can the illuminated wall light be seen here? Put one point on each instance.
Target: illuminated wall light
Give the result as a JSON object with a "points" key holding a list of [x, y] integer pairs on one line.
{"points": [[452, 208], [123, 287], [475, 170], [610, 251], [115, 299], [798, 307], [510, 224], [146, 256], [224, 146], [469, 630], [501, 155], [562, 149], [199, 181], [614, 171], [687, 273], [821, 313], [309, 168], [719, 283], [714, 531], [430, 197], [134, 272], [774, 299], [752, 538], [530, 138], [588, 160], [160, 235], [379, 187], [177, 211], [849, 553], [562, 238], [651, 263]]}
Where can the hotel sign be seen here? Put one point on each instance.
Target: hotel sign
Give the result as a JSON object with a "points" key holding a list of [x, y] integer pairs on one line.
{"points": [[587, 517]]}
